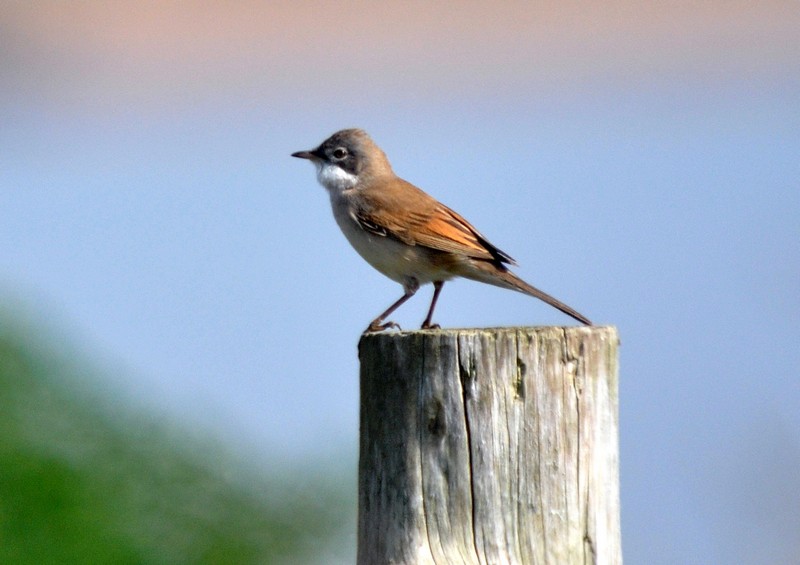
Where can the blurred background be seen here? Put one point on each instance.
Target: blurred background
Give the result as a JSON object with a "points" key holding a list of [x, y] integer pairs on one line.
{"points": [[179, 313]]}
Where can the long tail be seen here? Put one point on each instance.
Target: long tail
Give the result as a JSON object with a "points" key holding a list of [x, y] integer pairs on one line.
{"points": [[489, 273]]}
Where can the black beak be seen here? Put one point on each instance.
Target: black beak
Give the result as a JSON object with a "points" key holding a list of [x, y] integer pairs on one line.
{"points": [[314, 155]]}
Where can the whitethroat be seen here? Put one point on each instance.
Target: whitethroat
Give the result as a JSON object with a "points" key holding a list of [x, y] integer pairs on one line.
{"points": [[403, 232]]}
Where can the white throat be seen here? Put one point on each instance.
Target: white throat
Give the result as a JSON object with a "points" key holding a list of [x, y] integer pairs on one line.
{"points": [[335, 178]]}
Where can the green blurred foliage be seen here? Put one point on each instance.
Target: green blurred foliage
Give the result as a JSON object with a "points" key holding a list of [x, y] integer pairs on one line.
{"points": [[79, 485]]}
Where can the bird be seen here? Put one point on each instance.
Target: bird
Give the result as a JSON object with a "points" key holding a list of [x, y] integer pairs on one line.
{"points": [[405, 233]]}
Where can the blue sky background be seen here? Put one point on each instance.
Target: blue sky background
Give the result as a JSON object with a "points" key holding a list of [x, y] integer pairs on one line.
{"points": [[641, 163]]}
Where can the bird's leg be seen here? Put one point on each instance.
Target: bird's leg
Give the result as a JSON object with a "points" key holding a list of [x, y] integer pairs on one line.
{"points": [[437, 288], [378, 323]]}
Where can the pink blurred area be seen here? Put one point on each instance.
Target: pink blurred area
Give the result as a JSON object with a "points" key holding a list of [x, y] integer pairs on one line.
{"points": [[100, 55]]}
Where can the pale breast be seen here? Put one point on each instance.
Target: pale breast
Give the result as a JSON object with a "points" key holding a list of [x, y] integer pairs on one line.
{"points": [[389, 256]]}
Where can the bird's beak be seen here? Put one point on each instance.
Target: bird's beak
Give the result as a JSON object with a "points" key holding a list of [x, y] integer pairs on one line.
{"points": [[315, 155]]}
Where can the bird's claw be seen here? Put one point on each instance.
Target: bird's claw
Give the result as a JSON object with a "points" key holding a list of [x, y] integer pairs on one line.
{"points": [[377, 326], [429, 326]]}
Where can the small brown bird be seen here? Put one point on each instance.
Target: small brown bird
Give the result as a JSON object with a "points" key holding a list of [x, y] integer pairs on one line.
{"points": [[403, 232]]}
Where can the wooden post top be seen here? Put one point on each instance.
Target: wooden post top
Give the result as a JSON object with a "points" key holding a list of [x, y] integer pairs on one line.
{"points": [[607, 331]]}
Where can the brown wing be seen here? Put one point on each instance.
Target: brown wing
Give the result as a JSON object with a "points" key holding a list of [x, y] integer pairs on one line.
{"points": [[419, 219]]}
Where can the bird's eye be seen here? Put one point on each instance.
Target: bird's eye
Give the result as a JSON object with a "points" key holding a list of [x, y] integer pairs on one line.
{"points": [[340, 153]]}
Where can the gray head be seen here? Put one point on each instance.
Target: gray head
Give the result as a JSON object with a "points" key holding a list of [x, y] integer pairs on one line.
{"points": [[346, 158]]}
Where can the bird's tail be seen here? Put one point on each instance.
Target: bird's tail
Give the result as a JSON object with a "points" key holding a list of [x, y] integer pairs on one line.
{"points": [[489, 273]]}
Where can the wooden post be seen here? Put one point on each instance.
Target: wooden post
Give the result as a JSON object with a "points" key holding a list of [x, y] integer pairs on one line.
{"points": [[492, 447]]}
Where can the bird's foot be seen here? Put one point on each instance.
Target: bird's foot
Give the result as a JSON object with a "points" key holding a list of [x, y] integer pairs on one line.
{"points": [[426, 325], [377, 326]]}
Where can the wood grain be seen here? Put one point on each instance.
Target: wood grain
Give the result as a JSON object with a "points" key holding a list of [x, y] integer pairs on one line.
{"points": [[489, 446]]}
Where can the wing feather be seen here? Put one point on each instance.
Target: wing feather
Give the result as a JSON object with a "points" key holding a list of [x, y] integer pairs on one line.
{"points": [[416, 218]]}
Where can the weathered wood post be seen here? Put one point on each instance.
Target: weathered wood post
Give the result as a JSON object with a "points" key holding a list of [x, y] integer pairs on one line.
{"points": [[492, 447]]}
